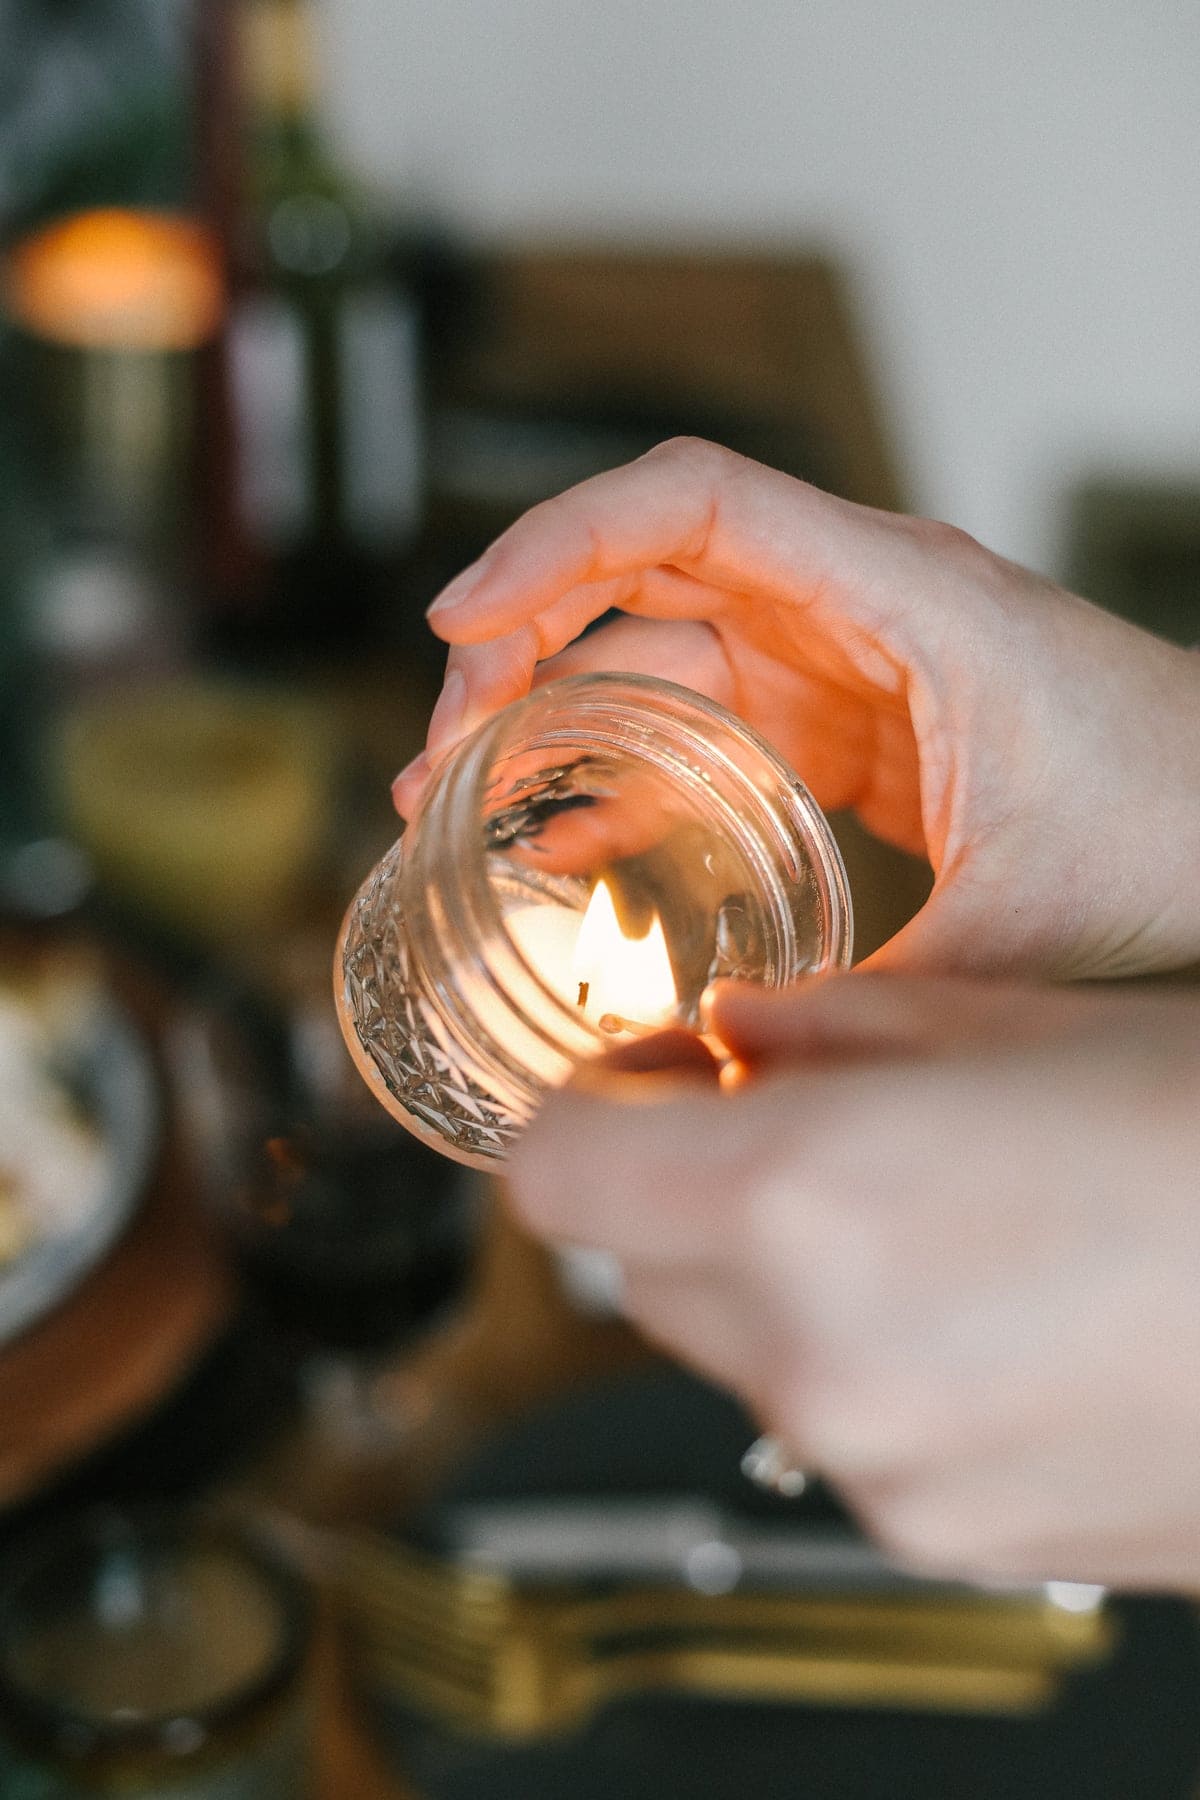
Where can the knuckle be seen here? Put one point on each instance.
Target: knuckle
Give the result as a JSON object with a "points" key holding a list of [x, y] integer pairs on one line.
{"points": [[944, 539], [513, 657], [820, 1417], [547, 635], [952, 548], [954, 1540], [921, 1534], [696, 455], [852, 1424]]}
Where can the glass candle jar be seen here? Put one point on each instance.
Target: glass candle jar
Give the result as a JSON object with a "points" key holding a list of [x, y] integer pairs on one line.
{"points": [[582, 868]]}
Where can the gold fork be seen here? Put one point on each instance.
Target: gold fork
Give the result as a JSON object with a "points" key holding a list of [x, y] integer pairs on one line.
{"points": [[489, 1655]]}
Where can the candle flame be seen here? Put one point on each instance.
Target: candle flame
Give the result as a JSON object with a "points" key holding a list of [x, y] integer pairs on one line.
{"points": [[631, 977]]}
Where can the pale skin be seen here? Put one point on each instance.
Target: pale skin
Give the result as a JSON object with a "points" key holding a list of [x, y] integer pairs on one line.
{"points": [[943, 1235]]}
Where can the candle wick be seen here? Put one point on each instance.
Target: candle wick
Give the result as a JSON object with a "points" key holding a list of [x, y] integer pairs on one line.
{"points": [[583, 993]]}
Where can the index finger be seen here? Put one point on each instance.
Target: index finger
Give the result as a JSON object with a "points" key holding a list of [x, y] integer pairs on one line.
{"points": [[637, 1164], [686, 505]]}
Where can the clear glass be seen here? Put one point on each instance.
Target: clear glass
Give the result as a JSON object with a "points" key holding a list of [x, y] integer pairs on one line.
{"points": [[151, 1653], [455, 974]]}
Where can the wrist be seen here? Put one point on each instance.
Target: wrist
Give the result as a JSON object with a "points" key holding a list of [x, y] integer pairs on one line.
{"points": [[1137, 795]]}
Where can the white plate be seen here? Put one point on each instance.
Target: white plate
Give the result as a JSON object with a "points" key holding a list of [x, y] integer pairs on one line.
{"points": [[109, 1070]]}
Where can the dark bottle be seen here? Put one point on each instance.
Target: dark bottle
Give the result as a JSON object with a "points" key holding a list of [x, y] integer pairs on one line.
{"points": [[109, 288], [356, 1239], [321, 360]]}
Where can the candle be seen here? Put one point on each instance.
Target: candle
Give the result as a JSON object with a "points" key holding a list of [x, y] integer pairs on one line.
{"points": [[589, 961], [475, 968]]}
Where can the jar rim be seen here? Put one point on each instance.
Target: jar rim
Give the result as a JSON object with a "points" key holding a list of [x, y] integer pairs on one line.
{"points": [[450, 1021], [673, 705]]}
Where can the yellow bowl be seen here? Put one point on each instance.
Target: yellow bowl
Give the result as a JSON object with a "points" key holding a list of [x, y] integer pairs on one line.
{"points": [[205, 802]]}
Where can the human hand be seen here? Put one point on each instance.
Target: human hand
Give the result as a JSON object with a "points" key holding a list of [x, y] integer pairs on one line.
{"points": [[1044, 755], [944, 1240]]}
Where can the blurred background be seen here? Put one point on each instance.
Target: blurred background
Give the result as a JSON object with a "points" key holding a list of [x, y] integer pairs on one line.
{"points": [[1008, 191], [301, 302]]}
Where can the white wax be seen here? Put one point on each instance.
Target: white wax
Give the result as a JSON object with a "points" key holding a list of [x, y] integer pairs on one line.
{"points": [[547, 936]]}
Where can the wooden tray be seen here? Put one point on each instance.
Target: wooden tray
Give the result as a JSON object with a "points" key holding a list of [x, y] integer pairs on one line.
{"points": [[136, 1325]]}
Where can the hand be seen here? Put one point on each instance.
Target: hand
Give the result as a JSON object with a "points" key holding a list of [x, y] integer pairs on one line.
{"points": [[944, 1240], [1044, 755]]}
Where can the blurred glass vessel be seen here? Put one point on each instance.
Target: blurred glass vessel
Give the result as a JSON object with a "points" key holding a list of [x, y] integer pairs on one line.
{"points": [[154, 1654], [582, 868]]}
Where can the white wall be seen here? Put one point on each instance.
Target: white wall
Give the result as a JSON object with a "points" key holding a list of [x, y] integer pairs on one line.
{"points": [[1013, 184]]}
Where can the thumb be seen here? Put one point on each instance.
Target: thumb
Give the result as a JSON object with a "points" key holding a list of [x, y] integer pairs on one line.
{"points": [[670, 1051], [860, 1017], [979, 920]]}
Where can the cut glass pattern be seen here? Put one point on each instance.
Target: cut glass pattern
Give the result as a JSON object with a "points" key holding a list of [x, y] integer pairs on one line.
{"points": [[414, 1057]]}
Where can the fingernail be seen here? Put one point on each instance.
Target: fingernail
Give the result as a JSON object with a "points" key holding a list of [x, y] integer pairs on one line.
{"points": [[446, 722], [715, 999], [458, 590], [707, 999], [416, 770]]}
